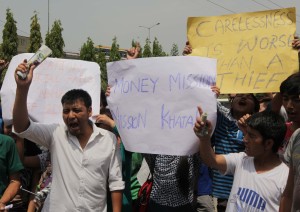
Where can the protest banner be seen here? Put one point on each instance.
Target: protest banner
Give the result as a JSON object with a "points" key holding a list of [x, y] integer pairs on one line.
{"points": [[254, 49], [51, 79], [154, 102]]}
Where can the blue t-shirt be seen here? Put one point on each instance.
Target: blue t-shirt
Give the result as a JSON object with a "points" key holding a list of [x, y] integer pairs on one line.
{"points": [[205, 180]]}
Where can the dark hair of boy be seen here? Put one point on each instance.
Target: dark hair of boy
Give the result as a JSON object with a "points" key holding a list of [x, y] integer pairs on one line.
{"points": [[270, 125], [291, 86]]}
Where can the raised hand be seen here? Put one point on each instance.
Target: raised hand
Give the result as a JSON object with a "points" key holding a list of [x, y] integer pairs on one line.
{"points": [[242, 123], [133, 52], [187, 49], [22, 67], [200, 125]]}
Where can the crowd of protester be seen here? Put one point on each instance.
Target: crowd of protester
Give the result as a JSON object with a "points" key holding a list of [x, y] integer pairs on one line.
{"points": [[249, 163]]}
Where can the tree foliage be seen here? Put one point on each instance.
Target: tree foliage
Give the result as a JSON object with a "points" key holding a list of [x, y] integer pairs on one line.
{"points": [[174, 50], [147, 49], [87, 51], [114, 51], [9, 37], [35, 38], [55, 41], [156, 48], [102, 63]]}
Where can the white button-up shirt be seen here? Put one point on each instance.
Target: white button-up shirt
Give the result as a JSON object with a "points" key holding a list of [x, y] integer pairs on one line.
{"points": [[80, 177]]}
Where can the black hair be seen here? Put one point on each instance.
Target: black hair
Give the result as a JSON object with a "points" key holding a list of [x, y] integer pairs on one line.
{"points": [[103, 98], [75, 94], [256, 103], [255, 100], [291, 85], [270, 125]]}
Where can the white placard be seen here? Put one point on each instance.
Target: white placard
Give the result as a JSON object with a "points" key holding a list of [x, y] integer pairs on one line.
{"points": [[51, 80], [154, 102]]}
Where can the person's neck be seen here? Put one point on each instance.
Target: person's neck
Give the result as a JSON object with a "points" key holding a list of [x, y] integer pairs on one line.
{"points": [[237, 115], [85, 136], [266, 162]]}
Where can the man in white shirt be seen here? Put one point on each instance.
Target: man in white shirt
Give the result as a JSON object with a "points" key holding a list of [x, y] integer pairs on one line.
{"points": [[259, 175], [85, 159]]}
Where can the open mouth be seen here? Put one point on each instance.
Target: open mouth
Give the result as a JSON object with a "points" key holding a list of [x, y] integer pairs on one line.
{"points": [[73, 125]]}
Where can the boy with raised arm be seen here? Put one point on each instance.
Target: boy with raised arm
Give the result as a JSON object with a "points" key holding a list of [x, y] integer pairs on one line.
{"points": [[259, 175]]}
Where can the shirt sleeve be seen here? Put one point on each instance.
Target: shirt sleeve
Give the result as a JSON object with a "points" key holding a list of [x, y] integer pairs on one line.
{"points": [[38, 133], [14, 163], [288, 152], [115, 168], [232, 161]]}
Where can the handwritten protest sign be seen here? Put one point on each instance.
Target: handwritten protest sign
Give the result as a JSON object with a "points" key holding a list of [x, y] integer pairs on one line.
{"points": [[253, 49], [154, 102], [51, 80]]}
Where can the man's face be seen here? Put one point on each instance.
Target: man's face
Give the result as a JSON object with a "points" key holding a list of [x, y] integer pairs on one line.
{"points": [[243, 104], [8, 131], [254, 145], [291, 104], [76, 116]]}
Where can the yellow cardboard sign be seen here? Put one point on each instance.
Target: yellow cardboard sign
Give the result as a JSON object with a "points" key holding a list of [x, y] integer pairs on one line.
{"points": [[254, 49]]}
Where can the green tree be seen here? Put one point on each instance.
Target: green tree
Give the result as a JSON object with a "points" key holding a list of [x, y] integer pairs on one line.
{"points": [[156, 48], [87, 51], [147, 49], [55, 41], [164, 54], [102, 63], [35, 39], [174, 50], [9, 37], [114, 51]]}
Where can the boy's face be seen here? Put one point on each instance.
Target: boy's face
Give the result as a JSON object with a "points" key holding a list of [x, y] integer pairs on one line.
{"points": [[291, 104], [254, 143], [243, 103]]}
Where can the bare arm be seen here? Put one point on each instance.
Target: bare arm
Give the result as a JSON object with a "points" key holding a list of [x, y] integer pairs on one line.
{"points": [[27, 161], [103, 118], [276, 103], [20, 112], [206, 152], [32, 162], [20, 148], [12, 189], [286, 199], [116, 198]]}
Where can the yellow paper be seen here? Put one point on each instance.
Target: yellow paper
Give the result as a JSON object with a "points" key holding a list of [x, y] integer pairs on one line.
{"points": [[254, 50]]}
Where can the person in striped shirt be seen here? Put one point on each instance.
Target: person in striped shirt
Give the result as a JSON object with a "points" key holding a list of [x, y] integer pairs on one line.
{"points": [[227, 138]]}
